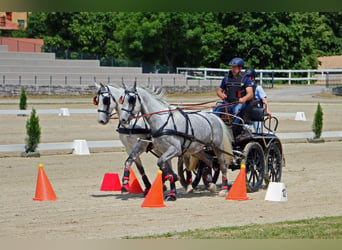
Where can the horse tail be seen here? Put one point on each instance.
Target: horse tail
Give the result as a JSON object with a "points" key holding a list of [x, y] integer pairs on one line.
{"points": [[227, 142], [193, 163]]}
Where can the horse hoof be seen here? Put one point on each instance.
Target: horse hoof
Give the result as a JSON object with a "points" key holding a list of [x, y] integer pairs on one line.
{"points": [[189, 189], [223, 193], [170, 197], [124, 190], [212, 188]]}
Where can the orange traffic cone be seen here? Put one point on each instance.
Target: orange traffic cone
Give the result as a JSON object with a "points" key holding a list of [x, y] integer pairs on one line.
{"points": [[44, 191], [155, 198], [111, 182], [133, 183], [238, 190]]}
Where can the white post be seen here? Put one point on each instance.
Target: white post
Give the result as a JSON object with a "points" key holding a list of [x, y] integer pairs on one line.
{"points": [[261, 78], [290, 77], [308, 77]]}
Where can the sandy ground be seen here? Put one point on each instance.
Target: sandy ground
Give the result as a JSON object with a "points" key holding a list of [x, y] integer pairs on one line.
{"points": [[313, 177]]}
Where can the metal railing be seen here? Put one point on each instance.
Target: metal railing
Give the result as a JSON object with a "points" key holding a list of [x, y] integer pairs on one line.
{"points": [[327, 76]]}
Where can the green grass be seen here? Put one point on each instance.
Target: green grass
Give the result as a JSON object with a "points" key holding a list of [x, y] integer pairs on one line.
{"points": [[317, 228]]}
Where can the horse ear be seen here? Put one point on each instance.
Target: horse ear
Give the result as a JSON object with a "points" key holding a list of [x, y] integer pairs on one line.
{"points": [[123, 85], [97, 85], [135, 85]]}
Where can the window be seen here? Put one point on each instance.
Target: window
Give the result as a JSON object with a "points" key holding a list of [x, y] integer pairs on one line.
{"points": [[2, 21], [21, 23], [9, 16]]}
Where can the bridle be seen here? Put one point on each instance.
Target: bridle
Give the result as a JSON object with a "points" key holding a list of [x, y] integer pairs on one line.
{"points": [[106, 100], [132, 100]]}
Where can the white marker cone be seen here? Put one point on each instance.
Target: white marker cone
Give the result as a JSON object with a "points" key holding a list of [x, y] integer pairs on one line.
{"points": [[80, 147], [276, 191]]}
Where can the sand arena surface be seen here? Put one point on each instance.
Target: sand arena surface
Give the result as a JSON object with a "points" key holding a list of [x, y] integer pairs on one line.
{"points": [[313, 177]]}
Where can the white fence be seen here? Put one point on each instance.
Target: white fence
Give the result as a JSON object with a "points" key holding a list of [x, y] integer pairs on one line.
{"points": [[327, 76]]}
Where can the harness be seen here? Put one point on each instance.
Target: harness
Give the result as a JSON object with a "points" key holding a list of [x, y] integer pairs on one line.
{"points": [[185, 135], [188, 126]]}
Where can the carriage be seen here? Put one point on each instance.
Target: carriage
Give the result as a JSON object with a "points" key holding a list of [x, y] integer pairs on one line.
{"points": [[261, 153]]}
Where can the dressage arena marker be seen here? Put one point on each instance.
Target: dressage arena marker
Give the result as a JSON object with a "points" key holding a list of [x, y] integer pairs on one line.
{"points": [[80, 147], [300, 116], [64, 112], [276, 191], [133, 183], [44, 191], [238, 190], [111, 182], [154, 197]]}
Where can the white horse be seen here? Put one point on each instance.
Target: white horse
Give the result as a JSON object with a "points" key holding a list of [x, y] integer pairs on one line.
{"points": [[107, 101], [177, 133]]}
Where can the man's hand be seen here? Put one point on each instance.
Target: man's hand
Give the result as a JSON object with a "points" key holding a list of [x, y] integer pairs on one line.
{"points": [[242, 100], [223, 96]]}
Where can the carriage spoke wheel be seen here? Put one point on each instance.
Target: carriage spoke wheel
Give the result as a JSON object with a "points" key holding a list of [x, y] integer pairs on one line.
{"points": [[255, 166], [273, 160], [198, 174]]}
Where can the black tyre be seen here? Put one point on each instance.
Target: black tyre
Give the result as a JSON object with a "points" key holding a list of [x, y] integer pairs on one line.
{"points": [[255, 166], [274, 164]]}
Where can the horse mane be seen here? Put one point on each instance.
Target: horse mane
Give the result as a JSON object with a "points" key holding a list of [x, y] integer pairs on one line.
{"points": [[158, 93]]}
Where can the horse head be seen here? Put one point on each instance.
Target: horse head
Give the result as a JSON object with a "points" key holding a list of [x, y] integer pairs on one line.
{"points": [[105, 102], [130, 104]]}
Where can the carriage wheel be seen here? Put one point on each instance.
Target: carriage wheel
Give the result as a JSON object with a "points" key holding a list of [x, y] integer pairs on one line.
{"points": [[182, 173], [255, 166], [198, 173], [273, 159]]}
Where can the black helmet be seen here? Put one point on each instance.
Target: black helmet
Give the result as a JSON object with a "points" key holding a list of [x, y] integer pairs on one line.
{"points": [[237, 61], [250, 72]]}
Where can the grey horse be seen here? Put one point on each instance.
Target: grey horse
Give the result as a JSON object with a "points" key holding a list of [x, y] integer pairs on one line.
{"points": [[107, 101]]}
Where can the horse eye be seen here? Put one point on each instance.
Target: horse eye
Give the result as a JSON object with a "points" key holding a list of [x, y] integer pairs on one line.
{"points": [[95, 100], [131, 99], [106, 100]]}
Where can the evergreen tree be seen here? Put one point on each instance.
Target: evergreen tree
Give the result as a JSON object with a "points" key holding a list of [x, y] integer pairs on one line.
{"points": [[318, 122], [33, 132], [22, 103]]}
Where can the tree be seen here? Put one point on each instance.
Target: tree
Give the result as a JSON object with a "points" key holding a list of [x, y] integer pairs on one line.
{"points": [[22, 102], [265, 39], [33, 132], [318, 122]]}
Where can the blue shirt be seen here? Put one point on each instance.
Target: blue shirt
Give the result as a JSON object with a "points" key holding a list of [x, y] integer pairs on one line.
{"points": [[259, 93]]}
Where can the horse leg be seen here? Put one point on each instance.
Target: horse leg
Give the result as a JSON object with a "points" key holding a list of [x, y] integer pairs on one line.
{"points": [[138, 148], [223, 167], [206, 166], [187, 184], [164, 163], [143, 175]]}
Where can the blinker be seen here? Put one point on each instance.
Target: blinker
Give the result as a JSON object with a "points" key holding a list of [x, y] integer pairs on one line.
{"points": [[106, 100]]}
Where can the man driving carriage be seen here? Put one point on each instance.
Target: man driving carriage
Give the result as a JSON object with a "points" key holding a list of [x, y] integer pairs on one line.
{"points": [[236, 91]]}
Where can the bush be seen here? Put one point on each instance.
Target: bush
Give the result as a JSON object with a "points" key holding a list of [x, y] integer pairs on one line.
{"points": [[318, 122], [22, 102], [33, 132]]}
